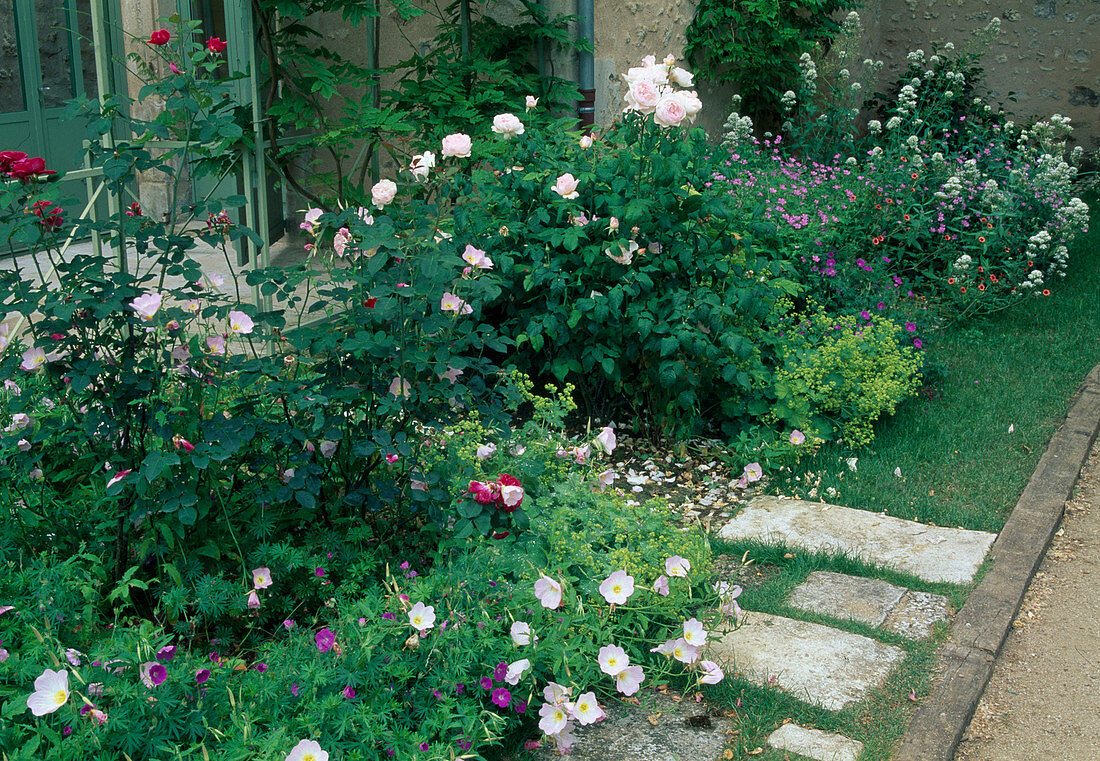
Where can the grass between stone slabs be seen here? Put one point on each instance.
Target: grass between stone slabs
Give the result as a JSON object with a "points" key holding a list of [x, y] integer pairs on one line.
{"points": [[878, 721], [959, 464]]}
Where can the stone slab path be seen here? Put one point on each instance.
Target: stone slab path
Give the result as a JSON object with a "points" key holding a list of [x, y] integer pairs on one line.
{"points": [[818, 664], [931, 553], [815, 744], [871, 601]]}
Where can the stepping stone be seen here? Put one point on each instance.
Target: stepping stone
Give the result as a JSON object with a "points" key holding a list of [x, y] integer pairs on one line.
{"points": [[821, 665], [815, 744], [916, 615], [842, 596], [659, 729], [871, 601], [931, 553]]}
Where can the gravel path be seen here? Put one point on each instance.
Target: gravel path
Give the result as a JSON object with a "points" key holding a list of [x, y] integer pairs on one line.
{"points": [[1043, 701]]}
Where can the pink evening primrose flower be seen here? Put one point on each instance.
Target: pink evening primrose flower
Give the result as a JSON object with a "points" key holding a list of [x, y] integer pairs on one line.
{"points": [[33, 358], [684, 652], [486, 451], [51, 691], [309, 223], [548, 592], [307, 750], [617, 588], [240, 323], [520, 633], [475, 257], [146, 305], [556, 694], [507, 125], [753, 472], [586, 710], [677, 566], [694, 633], [797, 437], [215, 345], [253, 600], [516, 671], [606, 478], [660, 586], [629, 680], [422, 617], [605, 440], [566, 186], [711, 672], [612, 659], [452, 303], [554, 718]]}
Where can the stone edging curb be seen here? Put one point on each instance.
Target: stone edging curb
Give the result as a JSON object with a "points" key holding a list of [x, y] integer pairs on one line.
{"points": [[981, 627]]}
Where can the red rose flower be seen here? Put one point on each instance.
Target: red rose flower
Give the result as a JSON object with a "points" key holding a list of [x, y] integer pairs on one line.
{"points": [[49, 217], [159, 37], [7, 158], [29, 167], [216, 45]]}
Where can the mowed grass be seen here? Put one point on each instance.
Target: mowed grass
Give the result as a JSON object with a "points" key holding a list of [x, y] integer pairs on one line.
{"points": [[960, 465]]}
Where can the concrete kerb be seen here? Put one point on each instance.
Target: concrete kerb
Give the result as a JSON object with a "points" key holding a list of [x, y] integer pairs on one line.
{"points": [[981, 627]]}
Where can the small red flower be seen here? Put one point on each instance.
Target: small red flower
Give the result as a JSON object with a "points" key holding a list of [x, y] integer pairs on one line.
{"points": [[914, 175], [1046, 291], [905, 217], [216, 45], [369, 303], [950, 281], [962, 288], [981, 286], [159, 37], [981, 239]]}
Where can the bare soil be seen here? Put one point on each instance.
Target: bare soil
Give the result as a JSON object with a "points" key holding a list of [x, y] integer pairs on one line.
{"points": [[1043, 701]]}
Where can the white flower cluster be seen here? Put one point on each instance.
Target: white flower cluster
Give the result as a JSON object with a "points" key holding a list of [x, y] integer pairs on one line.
{"points": [[1034, 280], [893, 122], [874, 126], [652, 89], [952, 188], [907, 98], [992, 196], [962, 264], [809, 73], [788, 101], [916, 57], [737, 128]]}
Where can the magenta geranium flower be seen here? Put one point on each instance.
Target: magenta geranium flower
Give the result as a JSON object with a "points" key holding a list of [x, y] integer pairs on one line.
{"points": [[502, 697], [202, 675], [325, 639]]}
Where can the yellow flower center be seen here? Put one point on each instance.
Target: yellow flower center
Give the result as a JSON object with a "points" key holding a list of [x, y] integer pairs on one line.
{"points": [[60, 697], [617, 589], [309, 757], [417, 620]]}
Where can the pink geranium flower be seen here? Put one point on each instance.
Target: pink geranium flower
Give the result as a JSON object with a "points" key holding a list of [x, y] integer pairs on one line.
{"points": [[325, 639]]}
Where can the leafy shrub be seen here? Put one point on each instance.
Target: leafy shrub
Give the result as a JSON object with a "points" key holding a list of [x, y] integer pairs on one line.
{"points": [[841, 373]]}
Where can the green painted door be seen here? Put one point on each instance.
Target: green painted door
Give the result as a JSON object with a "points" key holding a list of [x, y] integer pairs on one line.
{"points": [[45, 60]]}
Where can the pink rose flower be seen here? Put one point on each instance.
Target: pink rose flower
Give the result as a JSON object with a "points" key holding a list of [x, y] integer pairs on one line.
{"points": [[670, 112], [383, 193], [566, 186], [457, 145], [507, 125], [642, 96], [422, 163]]}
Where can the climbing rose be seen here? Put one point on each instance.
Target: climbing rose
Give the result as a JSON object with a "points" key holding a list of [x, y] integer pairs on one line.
{"points": [[216, 45], [457, 145], [383, 193], [670, 112], [160, 37]]}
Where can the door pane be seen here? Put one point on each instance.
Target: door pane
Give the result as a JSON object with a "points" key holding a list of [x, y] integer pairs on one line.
{"points": [[86, 62], [53, 51], [11, 73]]}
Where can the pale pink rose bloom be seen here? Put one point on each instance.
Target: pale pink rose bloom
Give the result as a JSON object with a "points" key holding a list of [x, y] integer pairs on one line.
{"points": [[452, 303], [606, 441], [677, 566], [681, 77], [612, 224], [261, 577], [532, 101], [642, 96], [753, 472], [511, 495], [627, 255], [586, 142], [629, 680], [712, 673], [617, 588], [307, 750], [383, 192], [146, 305], [694, 633], [548, 592], [215, 344], [416, 485], [23, 445], [516, 671], [507, 125], [457, 145], [649, 60], [691, 103], [240, 323], [33, 358], [422, 617], [553, 719], [340, 241], [51, 691], [660, 586], [422, 163], [556, 694], [309, 222], [684, 651], [475, 257], [670, 112], [566, 186], [253, 600], [485, 451], [612, 659], [520, 633], [400, 387], [328, 448], [586, 710]]}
